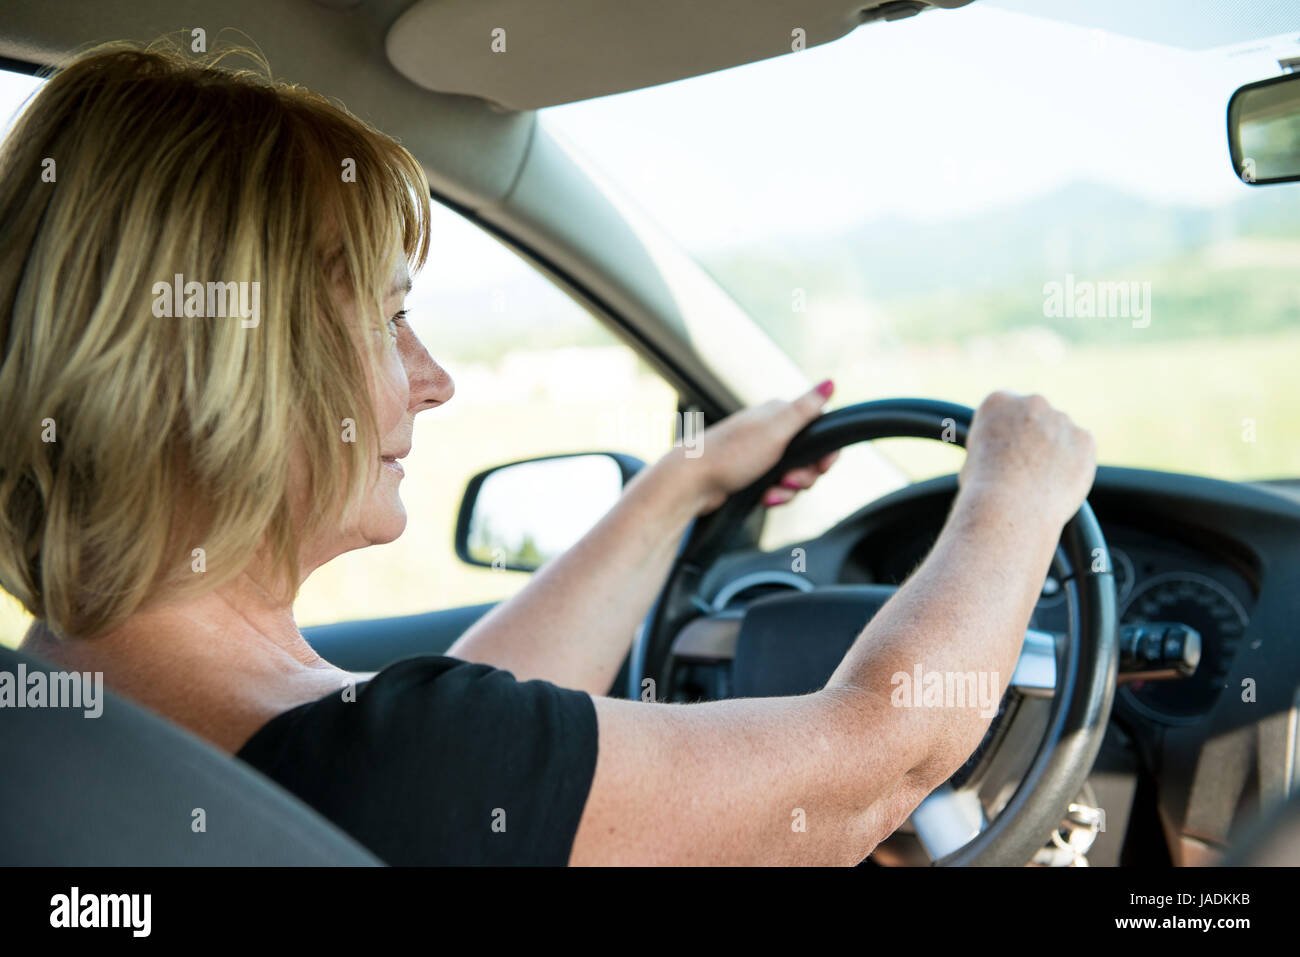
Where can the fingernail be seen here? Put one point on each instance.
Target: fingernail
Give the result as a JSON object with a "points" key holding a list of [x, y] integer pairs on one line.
{"points": [[826, 388], [773, 498], [791, 483]]}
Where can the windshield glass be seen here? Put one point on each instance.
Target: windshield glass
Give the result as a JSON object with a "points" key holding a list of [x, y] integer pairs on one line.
{"points": [[980, 199]]}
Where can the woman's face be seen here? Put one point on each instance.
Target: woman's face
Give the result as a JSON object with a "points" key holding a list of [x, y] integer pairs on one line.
{"points": [[404, 382]]}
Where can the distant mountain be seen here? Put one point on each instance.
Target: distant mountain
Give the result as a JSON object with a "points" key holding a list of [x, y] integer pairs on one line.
{"points": [[1230, 269], [1084, 228]]}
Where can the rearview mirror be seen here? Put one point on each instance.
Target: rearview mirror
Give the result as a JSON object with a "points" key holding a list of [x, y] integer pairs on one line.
{"points": [[521, 515], [1264, 130]]}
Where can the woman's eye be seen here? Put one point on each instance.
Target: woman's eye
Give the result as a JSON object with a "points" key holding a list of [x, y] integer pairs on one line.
{"points": [[396, 323]]}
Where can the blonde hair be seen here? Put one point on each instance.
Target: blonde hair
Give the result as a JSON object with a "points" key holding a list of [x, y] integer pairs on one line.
{"points": [[131, 440]]}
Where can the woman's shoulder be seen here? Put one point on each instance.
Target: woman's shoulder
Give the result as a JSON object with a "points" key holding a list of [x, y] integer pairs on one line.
{"points": [[436, 690], [434, 740]]}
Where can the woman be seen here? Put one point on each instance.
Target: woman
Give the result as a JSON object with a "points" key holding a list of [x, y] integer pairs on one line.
{"points": [[177, 465]]}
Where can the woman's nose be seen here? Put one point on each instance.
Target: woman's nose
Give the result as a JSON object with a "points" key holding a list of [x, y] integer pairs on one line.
{"points": [[430, 384]]}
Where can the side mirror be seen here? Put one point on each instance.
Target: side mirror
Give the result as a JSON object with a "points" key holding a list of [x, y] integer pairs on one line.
{"points": [[521, 515], [1264, 130]]}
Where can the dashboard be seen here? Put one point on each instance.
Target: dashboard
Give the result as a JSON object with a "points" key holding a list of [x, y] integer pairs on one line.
{"points": [[1222, 558], [1160, 576]]}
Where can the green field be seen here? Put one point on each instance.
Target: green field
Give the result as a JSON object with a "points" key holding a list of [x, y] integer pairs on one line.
{"points": [[1170, 405]]}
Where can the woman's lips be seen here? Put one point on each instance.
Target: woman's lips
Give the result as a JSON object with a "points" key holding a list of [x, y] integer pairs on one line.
{"points": [[390, 462]]}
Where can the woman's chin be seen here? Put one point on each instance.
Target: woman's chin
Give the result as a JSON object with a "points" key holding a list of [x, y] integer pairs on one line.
{"points": [[383, 525]]}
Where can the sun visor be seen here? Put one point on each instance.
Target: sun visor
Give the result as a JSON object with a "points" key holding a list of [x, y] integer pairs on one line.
{"points": [[528, 54]]}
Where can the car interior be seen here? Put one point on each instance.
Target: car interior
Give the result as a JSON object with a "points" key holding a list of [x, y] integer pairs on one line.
{"points": [[1154, 717]]}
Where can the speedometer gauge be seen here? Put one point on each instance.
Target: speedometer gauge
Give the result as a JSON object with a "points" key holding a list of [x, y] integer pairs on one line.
{"points": [[1203, 604]]}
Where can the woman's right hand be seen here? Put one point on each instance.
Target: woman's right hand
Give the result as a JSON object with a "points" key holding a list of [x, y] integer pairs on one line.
{"points": [[1023, 453]]}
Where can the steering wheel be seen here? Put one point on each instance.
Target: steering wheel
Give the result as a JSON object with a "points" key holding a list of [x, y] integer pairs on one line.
{"points": [[791, 642]]}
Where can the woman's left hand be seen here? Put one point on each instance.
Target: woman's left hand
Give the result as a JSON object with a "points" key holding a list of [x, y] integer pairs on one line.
{"points": [[573, 623], [743, 446]]}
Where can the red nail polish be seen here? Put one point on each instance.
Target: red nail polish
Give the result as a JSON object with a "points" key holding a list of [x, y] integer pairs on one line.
{"points": [[790, 483], [772, 498], [826, 388]]}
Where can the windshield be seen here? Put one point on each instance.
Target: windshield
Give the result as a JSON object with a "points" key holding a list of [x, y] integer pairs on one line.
{"points": [[980, 199]]}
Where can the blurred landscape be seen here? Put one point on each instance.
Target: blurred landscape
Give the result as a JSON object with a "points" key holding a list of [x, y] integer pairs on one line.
{"points": [[1215, 271]]}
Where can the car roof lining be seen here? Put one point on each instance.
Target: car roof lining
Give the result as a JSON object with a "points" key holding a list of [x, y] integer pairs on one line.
{"points": [[526, 54]]}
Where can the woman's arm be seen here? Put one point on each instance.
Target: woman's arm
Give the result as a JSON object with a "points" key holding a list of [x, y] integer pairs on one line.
{"points": [[574, 622], [726, 782]]}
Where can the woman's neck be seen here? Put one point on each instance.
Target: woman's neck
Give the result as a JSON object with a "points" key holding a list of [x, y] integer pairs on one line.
{"points": [[221, 665]]}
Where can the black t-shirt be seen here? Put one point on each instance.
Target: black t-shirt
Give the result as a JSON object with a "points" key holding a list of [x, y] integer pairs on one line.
{"points": [[441, 761]]}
